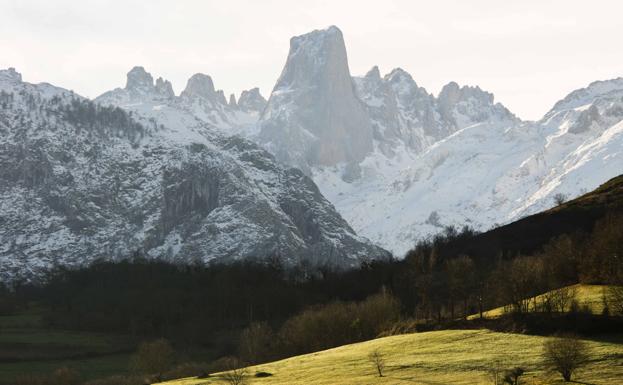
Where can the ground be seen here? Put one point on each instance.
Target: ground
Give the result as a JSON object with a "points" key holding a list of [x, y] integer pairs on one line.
{"points": [[588, 296], [26, 346], [433, 358]]}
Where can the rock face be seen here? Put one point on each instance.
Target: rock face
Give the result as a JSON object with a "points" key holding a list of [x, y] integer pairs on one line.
{"points": [[404, 114], [313, 117], [81, 181], [252, 100], [199, 86]]}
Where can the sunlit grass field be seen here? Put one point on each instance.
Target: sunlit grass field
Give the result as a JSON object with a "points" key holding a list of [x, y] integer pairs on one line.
{"points": [[589, 297], [432, 358]]}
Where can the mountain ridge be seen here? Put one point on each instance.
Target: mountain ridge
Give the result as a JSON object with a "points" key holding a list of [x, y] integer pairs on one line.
{"points": [[398, 163], [84, 180]]}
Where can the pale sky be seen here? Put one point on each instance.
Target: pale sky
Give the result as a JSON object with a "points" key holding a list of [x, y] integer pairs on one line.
{"points": [[529, 53]]}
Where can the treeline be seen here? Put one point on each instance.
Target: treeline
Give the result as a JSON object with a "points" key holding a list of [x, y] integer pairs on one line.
{"points": [[83, 114], [191, 303], [446, 286]]}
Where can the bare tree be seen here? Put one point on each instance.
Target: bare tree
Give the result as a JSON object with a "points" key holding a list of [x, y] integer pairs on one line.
{"points": [[236, 374], [376, 358], [461, 273], [495, 374], [511, 377], [560, 198], [256, 342], [565, 355], [154, 357], [560, 299]]}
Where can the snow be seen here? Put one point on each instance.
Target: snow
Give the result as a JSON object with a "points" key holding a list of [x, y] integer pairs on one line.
{"points": [[456, 159]]}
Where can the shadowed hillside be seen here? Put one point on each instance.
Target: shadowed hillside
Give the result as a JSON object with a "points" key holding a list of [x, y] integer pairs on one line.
{"points": [[530, 234]]}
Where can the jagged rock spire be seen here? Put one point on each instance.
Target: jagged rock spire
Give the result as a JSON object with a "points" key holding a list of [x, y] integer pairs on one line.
{"points": [[252, 100], [327, 123], [232, 101], [199, 85], [139, 79]]}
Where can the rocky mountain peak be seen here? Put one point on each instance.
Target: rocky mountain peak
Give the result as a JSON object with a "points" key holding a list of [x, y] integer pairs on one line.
{"points": [[164, 88], [583, 96], [11, 74], [232, 101], [220, 97], [139, 79], [252, 100], [199, 85], [452, 93], [373, 74], [327, 123], [315, 54], [402, 82]]}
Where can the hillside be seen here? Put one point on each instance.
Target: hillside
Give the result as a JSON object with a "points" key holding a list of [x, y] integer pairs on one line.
{"points": [[531, 233], [433, 358], [588, 297]]}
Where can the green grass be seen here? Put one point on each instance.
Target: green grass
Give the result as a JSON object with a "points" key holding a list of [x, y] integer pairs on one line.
{"points": [[588, 296], [89, 368], [431, 358], [27, 347]]}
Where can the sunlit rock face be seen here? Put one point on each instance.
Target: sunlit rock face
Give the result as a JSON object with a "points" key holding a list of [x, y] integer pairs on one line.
{"points": [[313, 116]]}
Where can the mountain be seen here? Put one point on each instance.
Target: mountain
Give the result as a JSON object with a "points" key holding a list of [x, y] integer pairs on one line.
{"points": [[398, 163], [456, 159], [486, 173], [143, 170], [313, 116]]}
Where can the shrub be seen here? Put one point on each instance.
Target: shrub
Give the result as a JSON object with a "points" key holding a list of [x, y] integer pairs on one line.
{"points": [[236, 373], [338, 324], [512, 376], [406, 326], [256, 342], [155, 357], [377, 360], [565, 355], [187, 369]]}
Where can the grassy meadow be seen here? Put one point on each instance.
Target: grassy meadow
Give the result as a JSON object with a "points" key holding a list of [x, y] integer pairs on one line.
{"points": [[26, 346], [432, 358], [589, 297]]}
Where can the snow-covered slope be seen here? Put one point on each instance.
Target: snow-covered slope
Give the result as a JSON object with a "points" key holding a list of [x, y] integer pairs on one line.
{"points": [[81, 181], [455, 159], [487, 173]]}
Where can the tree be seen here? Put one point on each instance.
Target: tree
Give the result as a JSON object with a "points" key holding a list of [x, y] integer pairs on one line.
{"points": [[518, 282], [560, 198], [154, 357], [461, 276], [565, 355], [560, 299], [256, 342], [236, 373], [511, 377], [495, 374], [376, 358]]}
